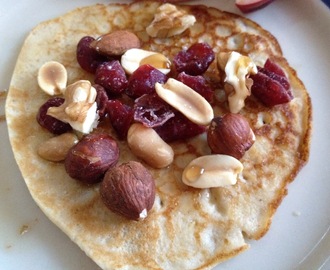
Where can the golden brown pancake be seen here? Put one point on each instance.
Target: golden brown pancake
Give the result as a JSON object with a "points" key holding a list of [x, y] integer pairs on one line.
{"points": [[187, 228]]}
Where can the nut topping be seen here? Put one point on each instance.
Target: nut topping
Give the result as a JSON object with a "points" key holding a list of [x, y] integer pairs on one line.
{"points": [[91, 157], [186, 100], [134, 58], [237, 83], [230, 135], [56, 148], [212, 171], [116, 43], [169, 21], [128, 190], [145, 143], [52, 78], [79, 108], [157, 60]]}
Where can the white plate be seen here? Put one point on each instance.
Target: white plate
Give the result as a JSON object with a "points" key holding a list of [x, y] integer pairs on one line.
{"points": [[299, 237]]}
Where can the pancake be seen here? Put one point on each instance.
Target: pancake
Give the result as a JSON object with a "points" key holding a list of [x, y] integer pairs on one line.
{"points": [[187, 228]]}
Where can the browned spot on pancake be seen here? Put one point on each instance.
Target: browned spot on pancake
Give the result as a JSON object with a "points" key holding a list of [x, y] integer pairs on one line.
{"points": [[3, 95]]}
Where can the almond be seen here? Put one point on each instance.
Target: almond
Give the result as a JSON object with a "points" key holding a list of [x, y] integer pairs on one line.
{"points": [[116, 43]]}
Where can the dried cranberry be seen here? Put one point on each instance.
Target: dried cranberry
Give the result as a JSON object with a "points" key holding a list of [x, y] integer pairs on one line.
{"points": [[50, 123], [274, 68], [151, 110], [179, 127], [195, 60], [121, 117], [281, 79], [143, 81], [91, 157], [198, 83], [87, 57], [112, 77], [101, 100], [270, 85]]}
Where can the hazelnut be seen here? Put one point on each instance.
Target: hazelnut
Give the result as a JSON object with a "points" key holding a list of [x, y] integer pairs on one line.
{"points": [[128, 190], [91, 157], [230, 135], [116, 43]]}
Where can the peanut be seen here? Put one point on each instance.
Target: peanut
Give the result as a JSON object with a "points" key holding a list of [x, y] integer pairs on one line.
{"points": [[212, 171], [186, 100], [132, 59], [52, 78], [56, 148], [146, 144]]}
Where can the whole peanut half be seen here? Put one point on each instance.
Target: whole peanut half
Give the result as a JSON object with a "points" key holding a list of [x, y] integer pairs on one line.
{"points": [[56, 148], [146, 144]]}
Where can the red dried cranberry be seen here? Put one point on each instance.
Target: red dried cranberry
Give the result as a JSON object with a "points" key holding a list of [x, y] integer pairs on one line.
{"points": [[87, 57], [270, 85], [283, 80], [101, 100], [195, 60], [179, 127], [151, 110], [274, 68], [50, 123], [112, 77], [91, 157], [143, 81], [198, 83], [121, 117]]}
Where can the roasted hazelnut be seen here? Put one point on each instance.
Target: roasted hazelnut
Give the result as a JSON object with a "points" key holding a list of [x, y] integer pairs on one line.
{"points": [[128, 190], [91, 157], [230, 135]]}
